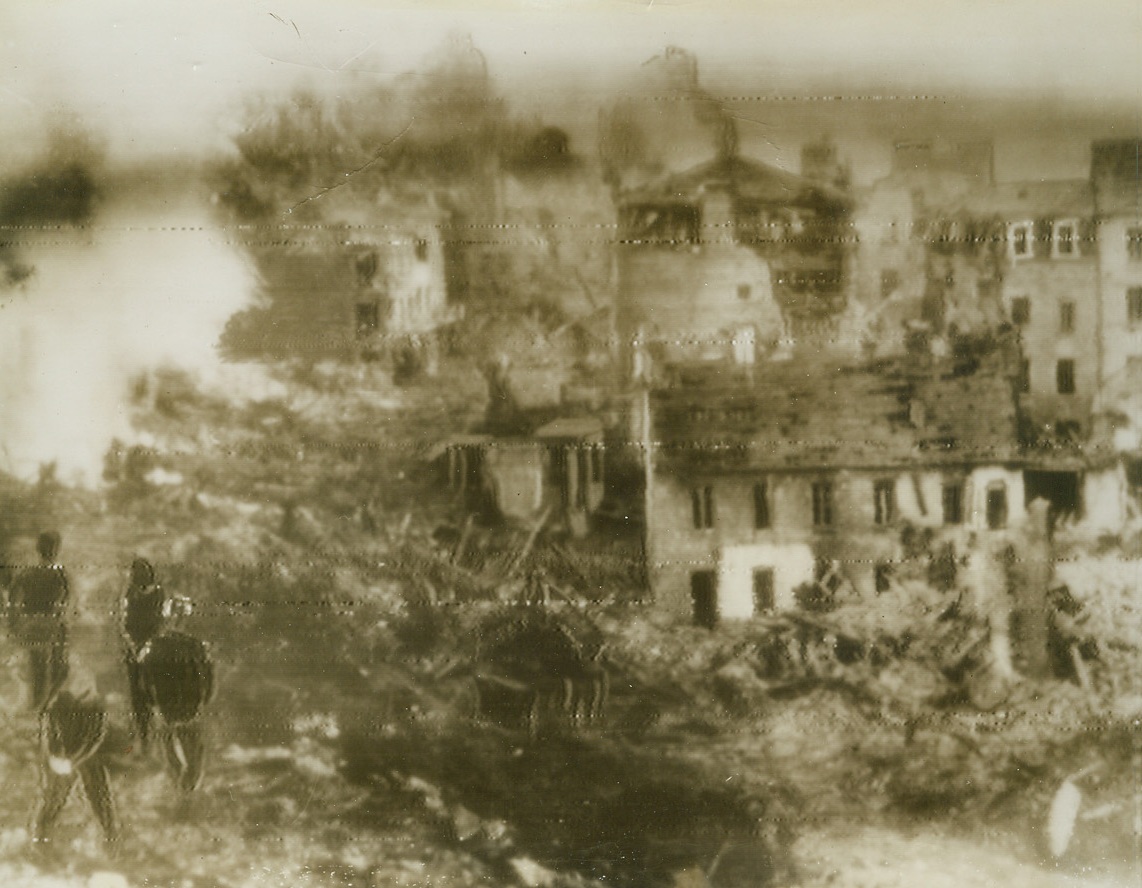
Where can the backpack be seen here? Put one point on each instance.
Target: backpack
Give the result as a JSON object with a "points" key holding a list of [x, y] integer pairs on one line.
{"points": [[74, 728]]}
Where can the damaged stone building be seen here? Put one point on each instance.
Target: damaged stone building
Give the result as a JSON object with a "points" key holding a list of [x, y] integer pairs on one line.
{"points": [[754, 489], [369, 284], [725, 262], [554, 473]]}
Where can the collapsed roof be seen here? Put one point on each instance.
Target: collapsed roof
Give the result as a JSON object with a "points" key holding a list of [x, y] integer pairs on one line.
{"points": [[892, 414]]}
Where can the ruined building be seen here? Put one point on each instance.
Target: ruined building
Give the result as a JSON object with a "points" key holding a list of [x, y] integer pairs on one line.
{"points": [[725, 262], [370, 283], [756, 489]]}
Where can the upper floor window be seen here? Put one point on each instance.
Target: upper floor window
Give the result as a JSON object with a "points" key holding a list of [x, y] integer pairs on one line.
{"points": [[822, 503], [1134, 242], [702, 507], [1134, 305], [420, 248], [1065, 242], [1067, 316], [884, 501], [744, 292], [761, 517], [1065, 376], [1020, 310], [1019, 238], [366, 268], [665, 223]]}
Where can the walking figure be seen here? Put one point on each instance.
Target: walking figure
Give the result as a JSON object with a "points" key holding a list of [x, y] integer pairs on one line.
{"points": [[177, 677], [147, 610], [72, 730], [37, 620]]}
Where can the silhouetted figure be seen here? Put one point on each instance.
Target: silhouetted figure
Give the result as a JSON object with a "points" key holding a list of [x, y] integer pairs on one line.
{"points": [[177, 676], [37, 620], [72, 733], [147, 610]]}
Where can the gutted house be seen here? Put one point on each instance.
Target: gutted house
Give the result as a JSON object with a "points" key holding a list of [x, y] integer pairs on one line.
{"points": [[370, 283], [724, 262], [756, 489], [556, 471], [1030, 247]]}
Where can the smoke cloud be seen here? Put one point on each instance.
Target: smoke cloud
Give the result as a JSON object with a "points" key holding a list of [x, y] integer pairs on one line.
{"points": [[145, 283]]}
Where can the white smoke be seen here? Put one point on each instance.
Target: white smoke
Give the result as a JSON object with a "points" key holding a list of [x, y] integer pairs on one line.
{"points": [[142, 287]]}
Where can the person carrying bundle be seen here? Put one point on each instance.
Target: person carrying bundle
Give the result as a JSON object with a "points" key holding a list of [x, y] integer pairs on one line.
{"points": [[147, 610], [177, 677]]}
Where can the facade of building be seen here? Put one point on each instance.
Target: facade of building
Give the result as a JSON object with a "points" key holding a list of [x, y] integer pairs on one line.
{"points": [[755, 490], [1116, 182]]}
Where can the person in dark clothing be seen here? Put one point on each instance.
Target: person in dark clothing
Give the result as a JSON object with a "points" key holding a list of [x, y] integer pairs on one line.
{"points": [[146, 610], [72, 732], [37, 620], [177, 676]]}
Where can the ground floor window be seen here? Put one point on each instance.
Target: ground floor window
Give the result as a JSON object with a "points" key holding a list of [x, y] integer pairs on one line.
{"points": [[997, 506], [953, 496], [764, 596]]}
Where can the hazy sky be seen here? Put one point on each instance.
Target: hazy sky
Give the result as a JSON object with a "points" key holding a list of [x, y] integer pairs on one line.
{"points": [[159, 77]]}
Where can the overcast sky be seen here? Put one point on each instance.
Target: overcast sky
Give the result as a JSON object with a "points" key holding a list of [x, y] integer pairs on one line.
{"points": [[161, 77]]}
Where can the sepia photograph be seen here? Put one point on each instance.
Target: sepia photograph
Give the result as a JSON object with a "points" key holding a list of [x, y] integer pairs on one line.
{"points": [[570, 443]]}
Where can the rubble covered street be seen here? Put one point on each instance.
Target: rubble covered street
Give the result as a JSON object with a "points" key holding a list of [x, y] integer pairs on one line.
{"points": [[864, 744], [681, 447]]}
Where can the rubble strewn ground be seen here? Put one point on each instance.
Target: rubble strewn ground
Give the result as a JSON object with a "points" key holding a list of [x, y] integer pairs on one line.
{"points": [[866, 745]]}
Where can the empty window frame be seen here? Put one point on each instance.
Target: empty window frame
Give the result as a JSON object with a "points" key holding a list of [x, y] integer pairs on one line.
{"points": [[822, 503], [1134, 242], [368, 316], [702, 507], [1134, 305], [1020, 310], [884, 501], [996, 505], [1019, 239], [761, 515], [1066, 316], [764, 595], [1065, 376], [953, 500], [1065, 242], [596, 463]]}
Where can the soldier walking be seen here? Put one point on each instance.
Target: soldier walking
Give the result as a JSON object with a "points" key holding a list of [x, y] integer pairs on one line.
{"points": [[72, 731], [37, 620], [147, 610], [177, 676]]}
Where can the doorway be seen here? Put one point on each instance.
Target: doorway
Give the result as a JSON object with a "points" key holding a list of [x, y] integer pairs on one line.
{"points": [[704, 596]]}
